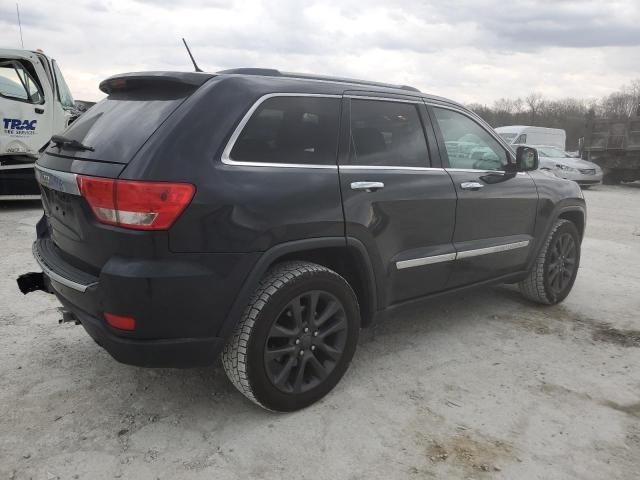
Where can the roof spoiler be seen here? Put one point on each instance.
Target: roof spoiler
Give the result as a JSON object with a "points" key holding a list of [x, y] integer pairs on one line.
{"points": [[170, 80]]}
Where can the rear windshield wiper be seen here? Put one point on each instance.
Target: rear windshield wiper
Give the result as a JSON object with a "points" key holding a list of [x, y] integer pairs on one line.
{"points": [[69, 144]]}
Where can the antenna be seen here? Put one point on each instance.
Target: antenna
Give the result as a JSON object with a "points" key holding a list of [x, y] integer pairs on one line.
{"points": [[20, 25], [195, 65]]}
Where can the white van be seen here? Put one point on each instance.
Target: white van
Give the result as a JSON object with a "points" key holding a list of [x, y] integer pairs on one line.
{"points": [[521, 134]]}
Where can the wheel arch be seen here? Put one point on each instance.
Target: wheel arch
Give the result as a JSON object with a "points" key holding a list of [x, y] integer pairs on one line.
{"points": [[346, 256], [575, 216], [571, 211]]}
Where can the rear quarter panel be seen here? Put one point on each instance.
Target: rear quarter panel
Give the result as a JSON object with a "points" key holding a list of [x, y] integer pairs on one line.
{"points": [[236, 208]]}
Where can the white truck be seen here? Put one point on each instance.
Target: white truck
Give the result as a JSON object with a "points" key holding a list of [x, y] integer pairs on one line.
{"points": [[35, 103], [523, 134]]}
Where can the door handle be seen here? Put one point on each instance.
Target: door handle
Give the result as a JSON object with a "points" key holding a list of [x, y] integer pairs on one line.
{"points": [[367, 186], [39, 110], [471, 185]]}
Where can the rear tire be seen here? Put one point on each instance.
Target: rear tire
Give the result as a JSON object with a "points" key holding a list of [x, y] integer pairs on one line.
{"points": [[556, 267], [296, 337]]}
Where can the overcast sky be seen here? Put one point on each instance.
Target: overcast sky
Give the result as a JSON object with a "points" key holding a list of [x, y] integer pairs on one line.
{"points": [[467, 50]]}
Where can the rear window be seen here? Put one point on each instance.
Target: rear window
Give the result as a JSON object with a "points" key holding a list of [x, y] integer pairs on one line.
{"points": [[298, 130], [119, 125]]}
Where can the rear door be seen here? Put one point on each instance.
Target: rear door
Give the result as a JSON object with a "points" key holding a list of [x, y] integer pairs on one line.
{"points": [[398, 203], [496, 210]]}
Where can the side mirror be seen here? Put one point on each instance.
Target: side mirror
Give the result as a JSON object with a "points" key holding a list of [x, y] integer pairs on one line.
{"points": [[526, 159]]}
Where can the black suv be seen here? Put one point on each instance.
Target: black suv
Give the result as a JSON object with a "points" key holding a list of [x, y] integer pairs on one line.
{"points": [[268, 216]]}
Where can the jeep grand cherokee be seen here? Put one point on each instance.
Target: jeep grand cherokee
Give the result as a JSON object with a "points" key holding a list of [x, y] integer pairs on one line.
{"points": [[268, 216]]}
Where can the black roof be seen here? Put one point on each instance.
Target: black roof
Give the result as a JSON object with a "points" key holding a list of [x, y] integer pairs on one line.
{"points": [[271, 72]]}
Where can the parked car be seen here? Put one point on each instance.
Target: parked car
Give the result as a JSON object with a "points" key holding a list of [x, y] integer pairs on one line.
{"points": [[269, 216], [524, 134], [564, 165]]}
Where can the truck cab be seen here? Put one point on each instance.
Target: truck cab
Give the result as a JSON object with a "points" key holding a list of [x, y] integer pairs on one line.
{"points": [[35, 103]]}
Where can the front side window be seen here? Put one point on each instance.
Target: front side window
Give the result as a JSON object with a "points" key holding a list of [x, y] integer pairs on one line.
{"points": [[297, 130], [386, 133], [64, 94], [17, 83], [468, 145]]}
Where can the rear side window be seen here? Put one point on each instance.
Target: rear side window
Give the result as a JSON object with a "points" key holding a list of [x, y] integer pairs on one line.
{"points": [[298, 130], [385, 133]]}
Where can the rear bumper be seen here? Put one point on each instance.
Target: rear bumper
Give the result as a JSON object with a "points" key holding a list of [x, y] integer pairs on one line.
{"points": [[180, 307], [18, 182], [168, 353]]}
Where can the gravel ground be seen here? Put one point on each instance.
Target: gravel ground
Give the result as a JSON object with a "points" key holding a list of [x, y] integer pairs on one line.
{"points": [[484, 385]]}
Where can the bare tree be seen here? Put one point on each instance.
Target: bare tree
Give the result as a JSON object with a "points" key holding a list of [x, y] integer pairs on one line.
{"points": [[534, 101], [567, 113]]}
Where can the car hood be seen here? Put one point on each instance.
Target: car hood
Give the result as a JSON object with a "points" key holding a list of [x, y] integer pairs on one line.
{"points": [[569, 162]]}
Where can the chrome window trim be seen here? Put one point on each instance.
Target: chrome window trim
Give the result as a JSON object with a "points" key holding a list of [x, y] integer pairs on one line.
{"points": [[418, 262], [391, 167], [65, 182], [472, 170], [226, 153], [447, 257], [56, 277]]}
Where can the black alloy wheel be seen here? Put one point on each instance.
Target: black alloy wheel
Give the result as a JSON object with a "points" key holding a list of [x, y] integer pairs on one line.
{"points": [[305, 342]]}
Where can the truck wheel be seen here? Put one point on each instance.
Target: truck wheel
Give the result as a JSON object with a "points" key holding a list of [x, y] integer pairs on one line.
{"points": [[296, 337], [554, 270]]}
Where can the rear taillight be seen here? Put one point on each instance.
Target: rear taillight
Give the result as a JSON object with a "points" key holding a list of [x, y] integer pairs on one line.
{"points": [[133, 204], [120, 322]]}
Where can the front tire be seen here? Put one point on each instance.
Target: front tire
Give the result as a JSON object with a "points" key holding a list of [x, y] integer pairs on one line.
{"points": [[556, 267], [296, 337]]}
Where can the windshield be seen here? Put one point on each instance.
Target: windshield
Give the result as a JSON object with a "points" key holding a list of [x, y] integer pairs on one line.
{"points": [[64, 94], [552, 152], [508, 137]]}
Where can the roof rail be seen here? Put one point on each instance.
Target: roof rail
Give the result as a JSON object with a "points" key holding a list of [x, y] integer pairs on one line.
{"points": [[271, 72]]}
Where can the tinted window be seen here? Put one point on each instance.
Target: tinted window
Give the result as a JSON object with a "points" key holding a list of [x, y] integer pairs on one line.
{"points": [[291, 130], [387, 133], [119, 125], [469, 145]]}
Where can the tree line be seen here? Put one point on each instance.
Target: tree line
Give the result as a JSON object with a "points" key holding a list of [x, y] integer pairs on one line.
{"points": [[567, 113]]}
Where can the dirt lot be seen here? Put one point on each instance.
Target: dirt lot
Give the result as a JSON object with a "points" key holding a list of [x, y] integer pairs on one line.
{"points": [[481, 386]]}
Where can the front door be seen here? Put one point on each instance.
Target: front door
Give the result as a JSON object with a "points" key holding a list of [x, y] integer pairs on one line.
{"points": [[496, 211], [396, 202], [25, 126]]}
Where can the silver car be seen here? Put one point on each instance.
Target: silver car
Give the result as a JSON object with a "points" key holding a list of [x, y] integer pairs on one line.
{"points": [[563, 165]]}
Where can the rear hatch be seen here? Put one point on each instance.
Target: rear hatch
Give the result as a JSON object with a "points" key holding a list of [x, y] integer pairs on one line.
{"points": [[113, 131]]}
